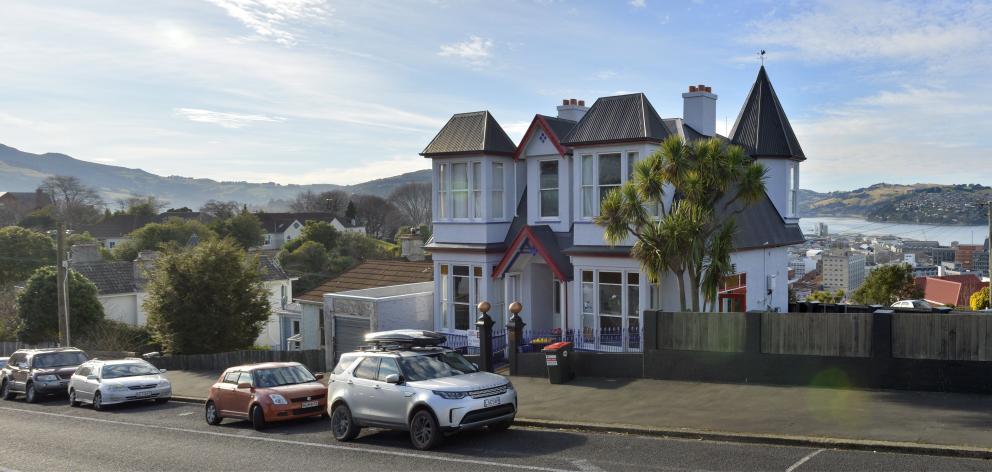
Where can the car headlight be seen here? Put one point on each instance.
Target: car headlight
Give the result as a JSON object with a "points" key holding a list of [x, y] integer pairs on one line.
{"points": [[509, 385], [450, 395], [47, 378], [278, 399], [164, 384], [116, 388]]}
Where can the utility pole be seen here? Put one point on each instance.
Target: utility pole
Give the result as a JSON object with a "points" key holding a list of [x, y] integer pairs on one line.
{"points": [[59, 284], [988, 268]]}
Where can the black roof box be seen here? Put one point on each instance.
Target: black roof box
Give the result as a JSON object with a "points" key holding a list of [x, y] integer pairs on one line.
{"points": [[410, 337]]}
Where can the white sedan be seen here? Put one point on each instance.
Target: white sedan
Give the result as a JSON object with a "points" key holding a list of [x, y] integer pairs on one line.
{"points": [[109, 382]]}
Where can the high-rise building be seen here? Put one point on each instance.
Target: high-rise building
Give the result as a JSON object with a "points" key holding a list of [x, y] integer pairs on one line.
{"points": [[843, 270]]}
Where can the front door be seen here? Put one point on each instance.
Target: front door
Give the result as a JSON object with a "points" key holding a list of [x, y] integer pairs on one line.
{"points": [[512, 288]]}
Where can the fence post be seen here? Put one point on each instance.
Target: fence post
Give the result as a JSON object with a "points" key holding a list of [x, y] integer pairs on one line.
{"points": [[514, 335], [650, 330], [485, 326], [752, 332], [881, 334]]}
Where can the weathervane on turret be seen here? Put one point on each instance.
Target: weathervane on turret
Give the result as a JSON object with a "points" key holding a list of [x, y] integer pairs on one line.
{"points": [[761, 55]]}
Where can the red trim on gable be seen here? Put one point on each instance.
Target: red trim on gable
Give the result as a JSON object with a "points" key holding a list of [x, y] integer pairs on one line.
{"points": [[539, 120], [511, 252]]}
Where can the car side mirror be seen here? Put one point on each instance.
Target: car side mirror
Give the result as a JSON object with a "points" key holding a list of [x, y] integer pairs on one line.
{"points": [[394, 378], [244, 385], [319, 376], [92, 377], [162, 371]]}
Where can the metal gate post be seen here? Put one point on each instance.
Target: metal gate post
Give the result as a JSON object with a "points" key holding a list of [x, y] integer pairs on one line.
{"points": [[514, 335], [485, 326]]}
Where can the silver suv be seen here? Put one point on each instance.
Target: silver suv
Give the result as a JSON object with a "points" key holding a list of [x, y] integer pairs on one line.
{"points": [[404, 381]]}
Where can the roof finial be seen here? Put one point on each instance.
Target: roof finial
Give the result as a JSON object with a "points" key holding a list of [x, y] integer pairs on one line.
{"points": [[762, 56]]}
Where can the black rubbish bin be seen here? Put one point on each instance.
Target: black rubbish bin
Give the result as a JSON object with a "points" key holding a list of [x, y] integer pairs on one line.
{"points": [[558, 358]]}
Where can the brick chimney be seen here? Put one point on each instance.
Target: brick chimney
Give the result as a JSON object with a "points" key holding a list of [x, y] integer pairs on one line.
{"points": [[699, 109], [143, 266], [572, 109]]}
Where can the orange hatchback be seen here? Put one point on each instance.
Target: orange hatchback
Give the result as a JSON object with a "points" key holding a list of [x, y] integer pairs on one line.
{"points": [[265, 393]]}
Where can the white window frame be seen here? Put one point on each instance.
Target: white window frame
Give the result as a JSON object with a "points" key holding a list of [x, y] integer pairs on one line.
{"points": [[793, 190], [476, 191], [498, 192], [541, 190], [626, 166], [476, 279], [624, 303]]}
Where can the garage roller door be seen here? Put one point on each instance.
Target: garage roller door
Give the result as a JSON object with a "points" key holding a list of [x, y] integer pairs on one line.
{"points": [[349, 333]]}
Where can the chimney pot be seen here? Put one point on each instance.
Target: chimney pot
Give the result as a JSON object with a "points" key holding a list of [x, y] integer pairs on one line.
{"points": [[582, 103], [564, 102], [700, 87], [709, 89], [573, 101], [692, 88]]}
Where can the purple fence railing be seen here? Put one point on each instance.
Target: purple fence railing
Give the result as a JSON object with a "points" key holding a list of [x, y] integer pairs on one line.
{"points": [[588, 339], [461, 343]]}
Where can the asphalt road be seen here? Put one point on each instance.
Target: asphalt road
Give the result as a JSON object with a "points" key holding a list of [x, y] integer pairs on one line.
{"points": [[52, 436]]}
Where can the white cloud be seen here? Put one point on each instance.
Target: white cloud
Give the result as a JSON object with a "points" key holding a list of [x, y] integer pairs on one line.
{"points": [[476, 50], [225, 119], [358, 172], [638, 3], [606, 75], [273, 19], [516, 129]]}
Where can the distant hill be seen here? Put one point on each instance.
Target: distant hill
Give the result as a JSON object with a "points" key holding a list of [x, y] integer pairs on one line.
{"points": [[23, 172], [917, 203]]}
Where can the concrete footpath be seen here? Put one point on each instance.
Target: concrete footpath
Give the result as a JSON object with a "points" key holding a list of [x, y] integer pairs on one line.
{"points": [[897, 421]]}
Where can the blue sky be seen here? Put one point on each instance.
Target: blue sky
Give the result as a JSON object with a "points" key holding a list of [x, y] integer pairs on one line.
{"points": [[321, 91]]}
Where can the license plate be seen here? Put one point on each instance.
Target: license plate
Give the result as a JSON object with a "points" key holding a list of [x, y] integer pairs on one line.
{"points": [[491, 402], [144, 394], [310, 404]]}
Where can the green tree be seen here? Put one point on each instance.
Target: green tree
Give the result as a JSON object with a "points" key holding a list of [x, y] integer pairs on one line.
{"points": [[158, 236], [209, 298], [143, 207], [244, 228], [692, 237], [980, 299], [37, 307], [887, 284], [351, 213], [8, 314], [310, 258], [321, 232], [21, 252], [826, 297], [40, 219]]}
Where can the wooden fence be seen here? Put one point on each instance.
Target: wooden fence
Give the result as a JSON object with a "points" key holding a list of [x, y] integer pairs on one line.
{"points": [[313, 359], [8, 347], [817, 334], [720, 332], [957, 336]]}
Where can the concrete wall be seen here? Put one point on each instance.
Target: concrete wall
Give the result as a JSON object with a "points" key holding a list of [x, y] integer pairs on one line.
{"points": [[122, 307], [758, 264]]}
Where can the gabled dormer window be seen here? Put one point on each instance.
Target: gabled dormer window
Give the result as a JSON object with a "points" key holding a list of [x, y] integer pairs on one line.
{"points": [[549, 189]]}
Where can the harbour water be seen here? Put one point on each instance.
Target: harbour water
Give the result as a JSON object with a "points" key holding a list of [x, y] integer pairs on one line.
{"points": [[943, 233]]}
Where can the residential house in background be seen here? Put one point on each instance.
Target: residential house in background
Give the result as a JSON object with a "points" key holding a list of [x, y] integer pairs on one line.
{"points": [[114, 229], [386, 294], [950, 290], [515, 222], [843, 270], [281, 228], [121, 290], [16, 205]]}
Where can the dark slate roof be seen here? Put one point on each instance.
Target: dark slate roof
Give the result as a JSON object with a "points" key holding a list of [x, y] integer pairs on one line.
{"points": [[559, 126], [270, 269], [109, 277], [555, 243], [279, 222], [762, 128], [760, 225], [619, 118], [116, 226], [373, 274], [476, 132]]}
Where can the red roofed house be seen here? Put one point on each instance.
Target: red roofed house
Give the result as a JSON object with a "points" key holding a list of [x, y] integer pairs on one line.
{"points": [[949, 289]]}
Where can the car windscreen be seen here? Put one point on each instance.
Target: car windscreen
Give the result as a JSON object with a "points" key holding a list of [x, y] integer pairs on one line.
{"points": [[435, 366], [116, 371], [277, 376], [58, 359]]}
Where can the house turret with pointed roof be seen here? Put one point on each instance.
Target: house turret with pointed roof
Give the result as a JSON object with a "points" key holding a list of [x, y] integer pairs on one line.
{"points": [[763, 130], [517, 223]]}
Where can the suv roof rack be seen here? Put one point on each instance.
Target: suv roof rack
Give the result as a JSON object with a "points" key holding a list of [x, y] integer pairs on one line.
{"points": [[403, 339]]}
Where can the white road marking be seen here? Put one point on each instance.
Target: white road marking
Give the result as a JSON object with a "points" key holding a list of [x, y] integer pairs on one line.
{"points": [[296, 443], [803, 460], [585, 466], [186, 414]]}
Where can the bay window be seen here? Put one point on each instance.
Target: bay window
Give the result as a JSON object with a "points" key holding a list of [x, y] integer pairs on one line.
{"points": [[609, 174], [549, 189], [611, 309], [476, 190], [442, 194], [497, 193], [459, 190], [793, 200], [460, 288], [588, 188]]}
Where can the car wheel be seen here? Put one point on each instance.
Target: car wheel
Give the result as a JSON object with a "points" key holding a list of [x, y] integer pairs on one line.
{"points": [[30, 395], [342, 424], [5, 391], [211, 414], [501, 426], [257, 418], [72, 399], [97, 401], [424, 431]]}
